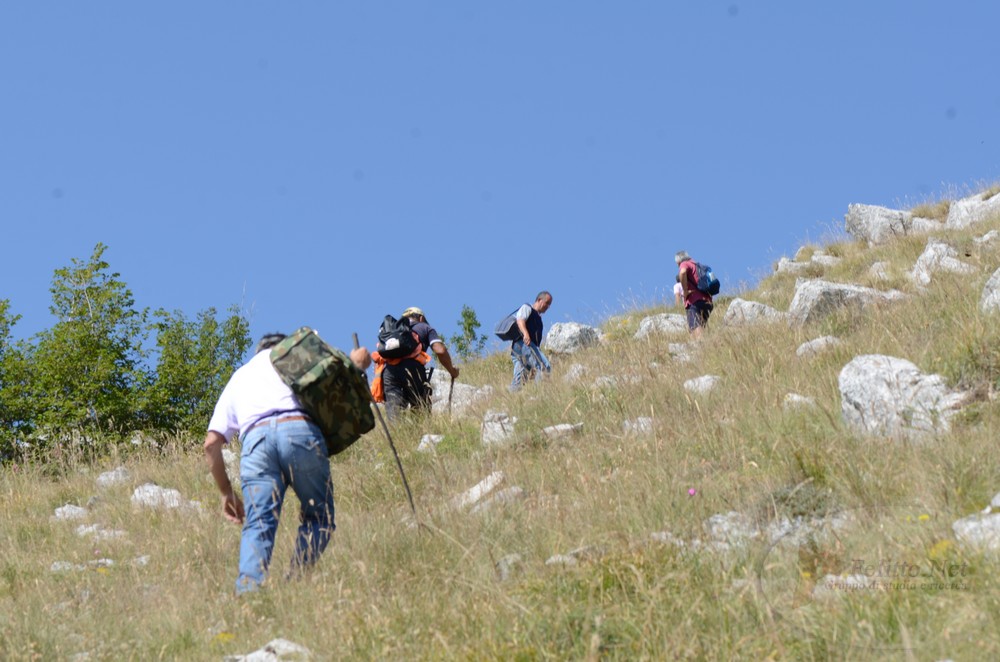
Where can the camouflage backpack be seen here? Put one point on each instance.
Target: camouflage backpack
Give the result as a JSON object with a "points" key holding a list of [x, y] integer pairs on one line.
{"points": [[328, 385]]}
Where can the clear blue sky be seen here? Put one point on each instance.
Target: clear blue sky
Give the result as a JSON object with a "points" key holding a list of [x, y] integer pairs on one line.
{"points": [[325, 163]]}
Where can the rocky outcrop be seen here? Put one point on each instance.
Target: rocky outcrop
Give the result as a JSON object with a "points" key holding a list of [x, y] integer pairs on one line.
{"points": [[742, 312], [878, 225], [815, 299], [664, 323], [989, 302], [938, 256], [973, 209], [891, 397], [570, 337], [464, 397]]}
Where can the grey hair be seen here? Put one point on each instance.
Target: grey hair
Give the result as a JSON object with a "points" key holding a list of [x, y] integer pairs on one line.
{"points": [[544, 294], [681, 256], [269, 340]]}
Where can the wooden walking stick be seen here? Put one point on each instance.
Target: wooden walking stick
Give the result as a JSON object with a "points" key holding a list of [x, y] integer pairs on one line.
{"points": [[385, 428]]}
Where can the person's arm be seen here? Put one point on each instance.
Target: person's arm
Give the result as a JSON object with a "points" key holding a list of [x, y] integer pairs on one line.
{"points": [[522, 324], [686, 284], [441, 352], [232, 507]]}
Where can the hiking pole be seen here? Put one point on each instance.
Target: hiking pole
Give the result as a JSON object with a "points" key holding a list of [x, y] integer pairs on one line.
{"points": [[385, 428], [451, 390]]}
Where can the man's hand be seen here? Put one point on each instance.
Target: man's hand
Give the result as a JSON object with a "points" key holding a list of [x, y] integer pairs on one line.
{"points": [[526, 339], [232, 508], [361, 358]]}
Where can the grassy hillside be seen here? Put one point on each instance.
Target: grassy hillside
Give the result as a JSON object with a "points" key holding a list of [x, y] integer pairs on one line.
{"points": [[390, 589]]}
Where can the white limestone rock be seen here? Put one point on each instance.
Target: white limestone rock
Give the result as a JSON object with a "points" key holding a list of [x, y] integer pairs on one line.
{"points": [[876, 225], [832, 585], [702, 385], [574, 373], [666, 538], [995, 503], [817, 346], [562, 430], [989, 302], [785, 265], [987, 238], [973, 209], [464, 397], [503, 497], [508, 566], [641, 426], [937, 256], [825, 260], [732, 528], [561, 559], [979, 532], [116, 476], [888, 396], [498, 428], [741, 312], [277, 650], [475, 493], [661, 324], [154, 496], [571, 337], [880, 271], [69, 513], [616, 381], [681, 352], [97, 532], [815, 299], [429, 442], [794, 401]]}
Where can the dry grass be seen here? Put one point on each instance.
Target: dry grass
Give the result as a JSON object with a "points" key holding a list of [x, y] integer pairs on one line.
{"points": [[389, 590]]}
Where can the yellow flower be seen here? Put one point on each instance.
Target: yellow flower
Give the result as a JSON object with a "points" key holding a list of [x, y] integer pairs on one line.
{"points": [[924, 518], [939, 550], [224, 637]]}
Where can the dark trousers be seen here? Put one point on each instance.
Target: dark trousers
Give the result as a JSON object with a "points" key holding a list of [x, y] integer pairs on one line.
{"points": [[405, 386]]}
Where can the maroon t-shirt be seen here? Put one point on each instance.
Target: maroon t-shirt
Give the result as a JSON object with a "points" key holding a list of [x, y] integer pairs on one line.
{"points": [[694, 294]]}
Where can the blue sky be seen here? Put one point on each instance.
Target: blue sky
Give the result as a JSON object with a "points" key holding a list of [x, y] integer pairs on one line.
{"points": [[326, 163]]}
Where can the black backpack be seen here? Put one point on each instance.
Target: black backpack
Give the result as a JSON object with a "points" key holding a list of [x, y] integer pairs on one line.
{"points": [[396, 340]]}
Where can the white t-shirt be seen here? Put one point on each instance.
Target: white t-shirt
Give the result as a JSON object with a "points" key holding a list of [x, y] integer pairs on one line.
{"points": [[678, 290], [254, 391], [523, 312]]}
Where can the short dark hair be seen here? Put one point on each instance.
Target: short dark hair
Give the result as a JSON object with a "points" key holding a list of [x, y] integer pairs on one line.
{"points": [[544, 294], [269, 340]]}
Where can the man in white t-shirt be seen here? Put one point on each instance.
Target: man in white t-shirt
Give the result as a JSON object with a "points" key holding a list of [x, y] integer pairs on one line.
{"points": [[282, 448]]}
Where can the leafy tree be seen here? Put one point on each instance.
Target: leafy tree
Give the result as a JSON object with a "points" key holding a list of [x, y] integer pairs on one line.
{"points": [[468, 343], [195, 360], [15, 411], [88, 369]]}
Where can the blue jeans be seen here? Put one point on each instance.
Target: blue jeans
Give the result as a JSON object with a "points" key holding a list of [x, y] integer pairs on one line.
{"points": [[528, 361], [276, 456]]}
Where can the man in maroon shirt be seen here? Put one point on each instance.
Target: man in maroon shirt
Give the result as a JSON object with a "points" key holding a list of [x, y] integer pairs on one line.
{"points": [[697, 304]]}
